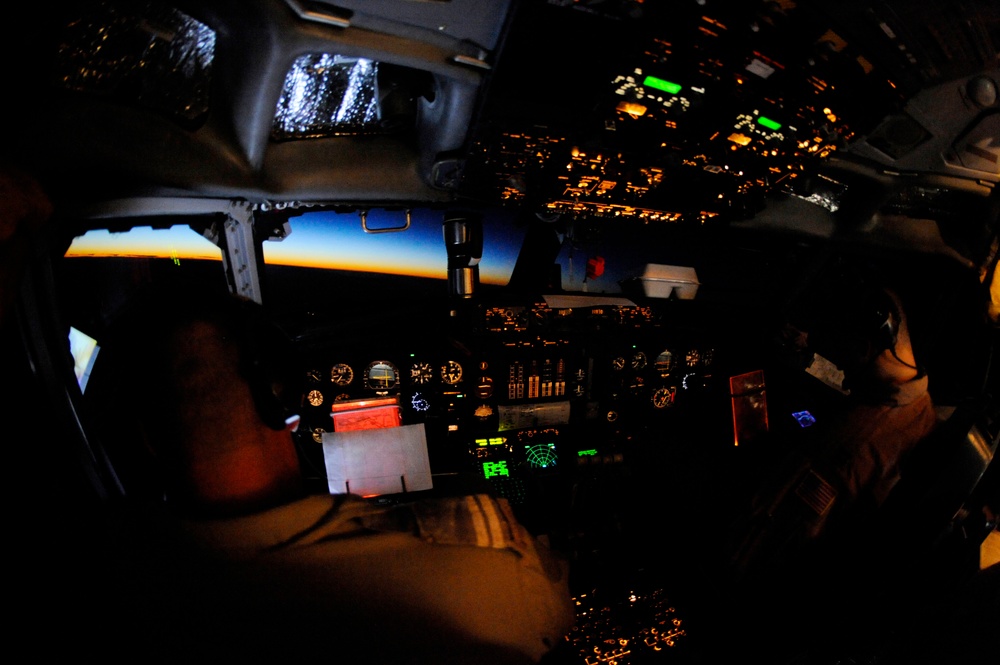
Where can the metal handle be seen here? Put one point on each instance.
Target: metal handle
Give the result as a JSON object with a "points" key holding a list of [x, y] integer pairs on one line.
{"points": [[391, 229]]}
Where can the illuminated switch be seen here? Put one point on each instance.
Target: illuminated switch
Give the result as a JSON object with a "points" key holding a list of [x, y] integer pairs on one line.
{"points": [[533, 381]]}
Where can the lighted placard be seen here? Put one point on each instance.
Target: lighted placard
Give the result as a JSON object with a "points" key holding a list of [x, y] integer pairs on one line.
{"points": [[749, 397], [360, 414], [660, 84], [770, 124]]}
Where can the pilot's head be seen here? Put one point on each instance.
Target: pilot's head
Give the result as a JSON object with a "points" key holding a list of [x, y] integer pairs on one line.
{"points": [[210, 410], [863, 330]]}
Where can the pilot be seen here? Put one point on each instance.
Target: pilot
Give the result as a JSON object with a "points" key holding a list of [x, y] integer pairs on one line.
{"points": [[801, 543], [24, 207], [242, 564]]}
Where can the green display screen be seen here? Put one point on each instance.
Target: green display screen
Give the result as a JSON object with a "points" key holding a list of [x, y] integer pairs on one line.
{"points": [[660, 84], [770, 124], [541, 455], [491, 469]]}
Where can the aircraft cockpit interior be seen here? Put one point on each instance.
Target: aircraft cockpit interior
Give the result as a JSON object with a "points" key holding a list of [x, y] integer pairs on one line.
{"points": [[613, 262]]}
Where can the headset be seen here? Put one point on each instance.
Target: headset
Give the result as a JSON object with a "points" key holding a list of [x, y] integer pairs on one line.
{"points": [[855, 323], [265, 352], [267, 363]]}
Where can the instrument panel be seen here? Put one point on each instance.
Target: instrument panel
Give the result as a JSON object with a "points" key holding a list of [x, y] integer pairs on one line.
{"points": [[510, 393]]}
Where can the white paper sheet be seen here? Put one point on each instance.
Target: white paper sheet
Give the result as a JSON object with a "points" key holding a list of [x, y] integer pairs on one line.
{"points": [[371, 462]]}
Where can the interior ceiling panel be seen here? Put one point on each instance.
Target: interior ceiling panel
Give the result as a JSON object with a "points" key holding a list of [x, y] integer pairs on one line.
{"points": [[701, 109]]}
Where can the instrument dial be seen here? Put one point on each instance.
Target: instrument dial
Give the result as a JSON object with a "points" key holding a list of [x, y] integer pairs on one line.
{"points": [[692, 358], [381, 376], [618, 363], [341, 374], [664, 397], [421, 373], [664, 362], [638, 360], [315, 398], [451, 372]]}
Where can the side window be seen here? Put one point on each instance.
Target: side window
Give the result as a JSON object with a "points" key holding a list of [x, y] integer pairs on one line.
{"points": [[101, 270]]}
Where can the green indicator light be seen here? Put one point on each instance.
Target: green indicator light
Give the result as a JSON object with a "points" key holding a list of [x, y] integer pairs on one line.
{"points": [[585, 453], [491, 469], [770, 124], [660, 84]]}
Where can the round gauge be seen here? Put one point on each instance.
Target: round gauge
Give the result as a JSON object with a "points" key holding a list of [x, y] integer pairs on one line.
{"points": [[451, 372], [664, 397], [664, 362], [314, 376], [315, 398], [618, 362], [692, 357], [421, 373], [341, 374], [611, 416], [638, 360], [381, 375], [419, 402], [317, 434]]}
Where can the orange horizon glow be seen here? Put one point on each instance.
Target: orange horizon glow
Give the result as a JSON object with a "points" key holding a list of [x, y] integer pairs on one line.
{"points": [[182, 244]]}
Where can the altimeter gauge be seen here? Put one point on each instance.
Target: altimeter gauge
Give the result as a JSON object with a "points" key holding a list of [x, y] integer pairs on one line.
{"points": [[341, 374]]}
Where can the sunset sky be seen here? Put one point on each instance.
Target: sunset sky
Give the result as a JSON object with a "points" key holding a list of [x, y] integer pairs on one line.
{"points": [[329, 240]]}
